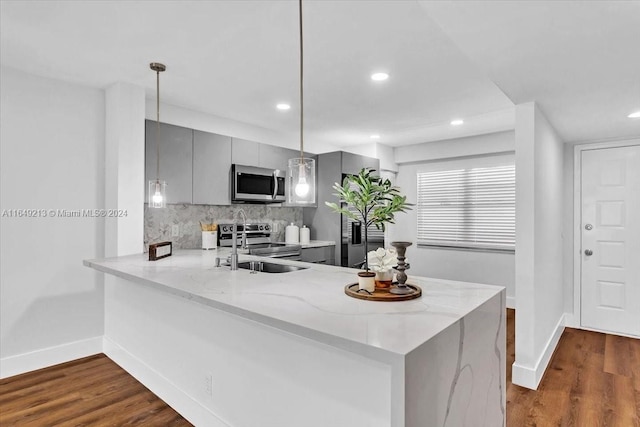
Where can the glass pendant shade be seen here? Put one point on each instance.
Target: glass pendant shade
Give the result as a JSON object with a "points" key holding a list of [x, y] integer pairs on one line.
{"points": [[157, 194], [301, 180]]}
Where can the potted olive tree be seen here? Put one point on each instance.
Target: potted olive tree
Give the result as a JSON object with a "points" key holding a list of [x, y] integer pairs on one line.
{"points": [[374, 201]]}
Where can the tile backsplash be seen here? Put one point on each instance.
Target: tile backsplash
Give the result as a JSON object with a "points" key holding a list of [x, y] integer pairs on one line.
{"points": [[159, 223]]}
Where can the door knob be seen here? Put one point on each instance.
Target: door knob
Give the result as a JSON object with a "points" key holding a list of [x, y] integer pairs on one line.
{"points": [[588, 252]]}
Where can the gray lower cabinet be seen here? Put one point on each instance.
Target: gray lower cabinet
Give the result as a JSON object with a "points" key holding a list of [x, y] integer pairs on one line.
{"points": [[176, 157], [319, 255], [245, 152], [211, 165]]}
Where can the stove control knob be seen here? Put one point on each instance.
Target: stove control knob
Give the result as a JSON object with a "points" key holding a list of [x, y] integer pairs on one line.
{"points": [[267, 227], [224, 229], [262, 227]]}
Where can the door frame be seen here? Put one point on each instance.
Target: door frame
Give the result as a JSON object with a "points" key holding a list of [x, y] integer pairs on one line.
{"points": [[575, 320]]}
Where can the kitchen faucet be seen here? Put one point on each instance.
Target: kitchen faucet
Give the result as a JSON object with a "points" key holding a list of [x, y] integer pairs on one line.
{"points": [[233, 258]]}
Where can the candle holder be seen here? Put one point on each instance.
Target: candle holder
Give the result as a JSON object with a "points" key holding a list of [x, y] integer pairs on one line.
{"points": [[401, 288]]}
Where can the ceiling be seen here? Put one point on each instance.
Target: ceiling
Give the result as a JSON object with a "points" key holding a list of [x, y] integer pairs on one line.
{"points": [[237, 59]]}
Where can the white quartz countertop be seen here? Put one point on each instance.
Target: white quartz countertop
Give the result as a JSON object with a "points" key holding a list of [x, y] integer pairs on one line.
{"points": [[318, 244], [309, 303]]}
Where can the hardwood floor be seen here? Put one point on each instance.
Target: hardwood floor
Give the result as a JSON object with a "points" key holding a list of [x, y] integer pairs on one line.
{"points": [[593, 380], [92, 391]]}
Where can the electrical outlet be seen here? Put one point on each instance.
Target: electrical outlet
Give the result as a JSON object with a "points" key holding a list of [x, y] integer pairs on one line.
{"points": [[208, 384], [175, 230]]}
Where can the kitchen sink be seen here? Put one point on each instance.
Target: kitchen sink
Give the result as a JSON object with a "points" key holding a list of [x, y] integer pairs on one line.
{"points": [[270, 267]]}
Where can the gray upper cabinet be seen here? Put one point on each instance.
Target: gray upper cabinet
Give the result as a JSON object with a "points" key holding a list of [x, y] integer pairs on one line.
{"points": [[176, 157], [353, 163], [245, 152], [196, 165], [211, 166], [251, 153], [273, 157]]}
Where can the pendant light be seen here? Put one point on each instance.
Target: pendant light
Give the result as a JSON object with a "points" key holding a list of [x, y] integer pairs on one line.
{"points": [[157, 188], [301, 171]]}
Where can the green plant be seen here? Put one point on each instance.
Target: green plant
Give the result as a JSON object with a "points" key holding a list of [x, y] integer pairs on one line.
{"points": [[374, 199]]}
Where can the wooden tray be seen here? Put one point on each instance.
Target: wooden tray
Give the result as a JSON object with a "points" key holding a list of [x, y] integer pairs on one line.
{"points": [[382, 294]]}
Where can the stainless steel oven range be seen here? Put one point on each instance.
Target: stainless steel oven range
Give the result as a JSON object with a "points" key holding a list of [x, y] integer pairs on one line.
{"points": [[258, 237]]}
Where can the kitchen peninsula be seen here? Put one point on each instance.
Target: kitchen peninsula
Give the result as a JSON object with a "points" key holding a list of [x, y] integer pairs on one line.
{"points": [[232, 348]]}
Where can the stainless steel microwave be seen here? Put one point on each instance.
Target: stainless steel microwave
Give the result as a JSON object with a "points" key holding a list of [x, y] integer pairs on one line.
{"points": [[250, 184]]}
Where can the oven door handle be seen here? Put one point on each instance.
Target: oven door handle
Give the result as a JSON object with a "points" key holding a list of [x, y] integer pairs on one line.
{"points": [[275, 185]]}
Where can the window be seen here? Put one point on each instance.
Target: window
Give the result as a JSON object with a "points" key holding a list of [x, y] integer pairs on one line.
{"points": [[467, 208]]}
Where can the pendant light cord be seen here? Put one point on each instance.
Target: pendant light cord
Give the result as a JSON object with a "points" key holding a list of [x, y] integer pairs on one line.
{"points": [[301, 86], [158, 125]]}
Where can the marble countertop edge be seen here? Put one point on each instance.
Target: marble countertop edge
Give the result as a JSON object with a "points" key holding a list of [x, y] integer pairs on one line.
{"points": [[317, 309]]}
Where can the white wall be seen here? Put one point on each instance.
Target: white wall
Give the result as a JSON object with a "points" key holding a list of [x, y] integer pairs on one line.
{"points": [[124, 169], [493, 268], [459, 147], [567, 228], [52, 157], [539, 244], [387, 158]]}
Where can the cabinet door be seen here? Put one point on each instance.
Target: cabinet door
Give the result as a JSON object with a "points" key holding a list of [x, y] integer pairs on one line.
{"points": [[320, 255], [176, 157], [211, 168], [353, 163], [273, 157], [245, 152], [371, 163]]}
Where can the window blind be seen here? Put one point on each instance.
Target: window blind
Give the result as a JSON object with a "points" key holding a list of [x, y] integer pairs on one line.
{"points": [[468, 208]]}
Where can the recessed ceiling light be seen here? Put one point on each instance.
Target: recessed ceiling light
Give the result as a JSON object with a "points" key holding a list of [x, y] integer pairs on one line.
{"points": [[457, 122], [378, 77], [375, 136], [283, 106], [634, 115]]}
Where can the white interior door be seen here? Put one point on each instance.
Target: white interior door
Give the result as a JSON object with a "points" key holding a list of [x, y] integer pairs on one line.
{"points": [[611, 240]]}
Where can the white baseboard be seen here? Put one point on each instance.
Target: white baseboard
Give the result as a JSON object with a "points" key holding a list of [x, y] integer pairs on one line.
{"points": [[184, 404], [530, 377], [21, 363], [570, 321], [511, 302]]}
